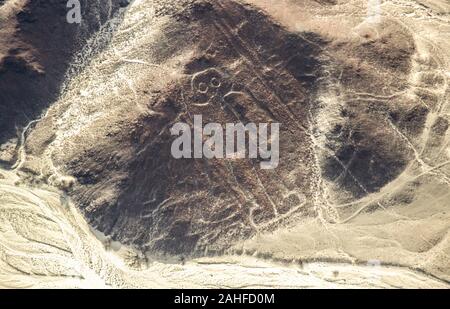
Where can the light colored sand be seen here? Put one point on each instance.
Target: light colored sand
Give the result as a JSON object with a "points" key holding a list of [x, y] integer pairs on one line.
{"points": [[45, 243]]}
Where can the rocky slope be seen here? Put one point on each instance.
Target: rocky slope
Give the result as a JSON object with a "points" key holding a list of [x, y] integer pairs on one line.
{"points": [[37, 45]]}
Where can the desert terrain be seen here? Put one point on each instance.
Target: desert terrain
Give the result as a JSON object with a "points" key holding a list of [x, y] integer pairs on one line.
{"points": [[90, 195]]}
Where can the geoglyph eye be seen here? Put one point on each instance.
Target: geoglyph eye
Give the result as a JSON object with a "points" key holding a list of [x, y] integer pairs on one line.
{"points": [[202, 87], [215, 82], [203, 81]]}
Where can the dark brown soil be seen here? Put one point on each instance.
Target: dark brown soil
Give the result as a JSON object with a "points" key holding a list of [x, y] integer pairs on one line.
{"points": [[186, 206]]}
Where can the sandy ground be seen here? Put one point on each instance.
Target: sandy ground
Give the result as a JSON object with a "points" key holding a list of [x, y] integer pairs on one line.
{"points": [[45, 243]]}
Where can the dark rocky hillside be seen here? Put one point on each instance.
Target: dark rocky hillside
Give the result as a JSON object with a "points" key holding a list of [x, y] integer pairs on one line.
{"points": [[37, 45]]}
